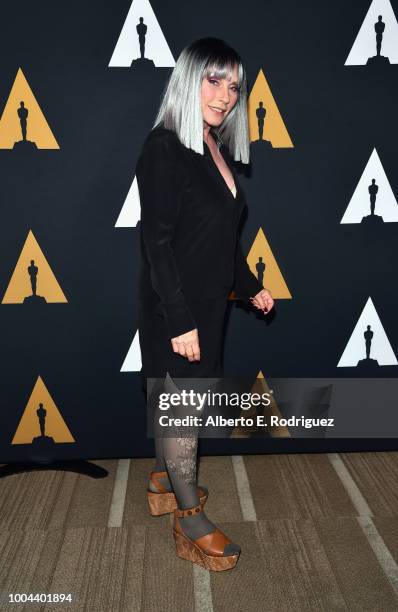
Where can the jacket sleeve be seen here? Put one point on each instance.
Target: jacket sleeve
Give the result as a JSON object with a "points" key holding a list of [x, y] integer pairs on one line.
{"points": [[160, 195], [246, 283]]}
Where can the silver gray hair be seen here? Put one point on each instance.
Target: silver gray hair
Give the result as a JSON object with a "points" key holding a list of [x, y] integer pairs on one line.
{"points": [[180, 109]]}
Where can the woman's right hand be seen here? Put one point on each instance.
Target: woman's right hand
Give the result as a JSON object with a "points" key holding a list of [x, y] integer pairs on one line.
{"points": [[187, 345]]}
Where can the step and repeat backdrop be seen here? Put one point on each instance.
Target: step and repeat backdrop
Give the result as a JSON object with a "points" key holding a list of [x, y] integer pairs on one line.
{"points": [[80, 85]]}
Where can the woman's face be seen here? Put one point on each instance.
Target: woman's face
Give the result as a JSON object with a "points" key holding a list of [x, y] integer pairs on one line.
{"points": [[219, 95]]}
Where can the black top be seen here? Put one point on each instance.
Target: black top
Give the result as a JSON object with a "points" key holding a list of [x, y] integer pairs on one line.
{"points": [[190, 248]]}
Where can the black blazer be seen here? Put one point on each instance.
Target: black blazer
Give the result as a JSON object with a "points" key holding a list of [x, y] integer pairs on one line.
{"points": [[190, 247]]}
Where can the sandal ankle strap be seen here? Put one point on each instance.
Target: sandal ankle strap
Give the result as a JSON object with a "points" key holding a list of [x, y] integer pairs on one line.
{"points": [[155, 479], [188, 512]]}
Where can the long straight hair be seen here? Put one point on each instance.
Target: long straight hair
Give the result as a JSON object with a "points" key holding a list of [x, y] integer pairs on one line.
{"points": [[180, 109]]}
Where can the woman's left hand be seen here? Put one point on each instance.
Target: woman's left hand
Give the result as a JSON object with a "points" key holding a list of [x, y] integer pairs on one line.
{"points": [[263, 301]]}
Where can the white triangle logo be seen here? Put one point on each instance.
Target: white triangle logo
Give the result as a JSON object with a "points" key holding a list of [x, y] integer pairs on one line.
{"points": [[133, 362], [373, 192], [141, 40], [131, 209], [368, 346], [373, 32]]}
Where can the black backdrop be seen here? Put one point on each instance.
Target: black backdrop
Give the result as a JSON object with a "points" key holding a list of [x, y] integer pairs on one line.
{"points": [[71, 198]]}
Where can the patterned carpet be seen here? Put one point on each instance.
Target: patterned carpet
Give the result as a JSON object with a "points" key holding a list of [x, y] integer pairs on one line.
{"points": [[317, 532]]}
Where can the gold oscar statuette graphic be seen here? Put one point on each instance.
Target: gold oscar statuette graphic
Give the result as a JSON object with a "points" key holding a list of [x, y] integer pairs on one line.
{"points": [[41, 424], [263, 264], [23, 126], [266, 126], [260, 386], [33, 282]]}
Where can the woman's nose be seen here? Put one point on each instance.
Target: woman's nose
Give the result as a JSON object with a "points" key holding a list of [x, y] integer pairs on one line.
{"points": [[224, 96]]}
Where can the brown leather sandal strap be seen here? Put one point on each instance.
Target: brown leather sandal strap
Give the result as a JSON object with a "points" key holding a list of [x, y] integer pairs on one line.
{"points": [[159, 474], [188, 511], [155, 478]]}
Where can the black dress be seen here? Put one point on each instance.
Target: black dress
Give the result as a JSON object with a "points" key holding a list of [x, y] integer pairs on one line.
{"points": [[191, 257]]}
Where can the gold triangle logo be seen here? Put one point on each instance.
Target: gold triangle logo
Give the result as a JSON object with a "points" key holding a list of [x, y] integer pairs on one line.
{"points": [[259, 387], [263, 264], [41, 423], [22, 124], [265, 121], [33, 281]]}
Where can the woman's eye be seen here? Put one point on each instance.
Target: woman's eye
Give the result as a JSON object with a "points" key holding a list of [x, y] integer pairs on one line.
{"points": [[235, 89]]}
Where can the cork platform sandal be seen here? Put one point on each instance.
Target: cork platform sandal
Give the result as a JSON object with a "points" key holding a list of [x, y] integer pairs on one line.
{"points": [[207, 550], [164, 502]]}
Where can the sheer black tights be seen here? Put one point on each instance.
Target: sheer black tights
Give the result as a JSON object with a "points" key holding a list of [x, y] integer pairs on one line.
{"points": [[179, 447]]}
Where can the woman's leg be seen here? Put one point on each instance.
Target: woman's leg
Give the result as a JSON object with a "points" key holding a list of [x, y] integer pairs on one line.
{"points": [[180, 446], [160, 465]]}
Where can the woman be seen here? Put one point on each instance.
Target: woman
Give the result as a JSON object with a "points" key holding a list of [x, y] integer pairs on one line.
{"points": [[191, 204]]}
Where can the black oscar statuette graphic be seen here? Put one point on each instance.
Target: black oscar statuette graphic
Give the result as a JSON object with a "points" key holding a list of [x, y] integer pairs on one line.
{"points": [[261, 112], [378, 59], [368, 363], [260, 267], [33, 271], [23, 144], [42, 441], [372, 219], [142, 61]]}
